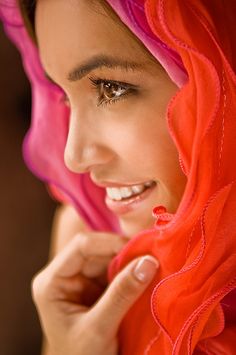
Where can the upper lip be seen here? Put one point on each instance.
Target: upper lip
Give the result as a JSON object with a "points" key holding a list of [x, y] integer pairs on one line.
{"points": [[116, 184]]}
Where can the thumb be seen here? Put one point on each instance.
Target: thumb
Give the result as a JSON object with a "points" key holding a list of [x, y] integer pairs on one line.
{"points": [[122, 293]]}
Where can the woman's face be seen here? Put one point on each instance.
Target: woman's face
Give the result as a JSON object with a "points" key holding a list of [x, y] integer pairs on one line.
{"points": [[118, 96]]}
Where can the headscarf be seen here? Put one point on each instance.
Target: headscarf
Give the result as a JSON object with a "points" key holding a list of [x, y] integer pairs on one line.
{"points": [[181, 312]]}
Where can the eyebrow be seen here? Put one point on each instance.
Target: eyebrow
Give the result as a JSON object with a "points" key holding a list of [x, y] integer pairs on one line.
{"points": [[100, 61]]}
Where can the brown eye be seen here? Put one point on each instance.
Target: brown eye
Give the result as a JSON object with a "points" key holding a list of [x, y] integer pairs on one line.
{"points": [[112, 91]]}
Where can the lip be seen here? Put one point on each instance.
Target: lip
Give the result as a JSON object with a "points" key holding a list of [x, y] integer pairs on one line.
{"points": [[122, 207]]}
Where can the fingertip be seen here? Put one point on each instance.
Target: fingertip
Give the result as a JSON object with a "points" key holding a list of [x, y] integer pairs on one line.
{"points": [[146, 268]]}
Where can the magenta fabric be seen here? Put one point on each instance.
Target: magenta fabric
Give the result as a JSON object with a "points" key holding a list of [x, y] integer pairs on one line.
{"points": [[132, 13], [43, 153], [44, 144]]}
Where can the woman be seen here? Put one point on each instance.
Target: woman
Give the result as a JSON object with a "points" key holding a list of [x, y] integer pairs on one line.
{"points": [[156, 134]]}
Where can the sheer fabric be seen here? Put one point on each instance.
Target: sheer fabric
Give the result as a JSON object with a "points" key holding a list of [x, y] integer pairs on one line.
{"points": [[184, 310]]}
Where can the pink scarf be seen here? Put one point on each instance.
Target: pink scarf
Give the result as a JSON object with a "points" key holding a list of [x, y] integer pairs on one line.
{"points": [[194, 41]]}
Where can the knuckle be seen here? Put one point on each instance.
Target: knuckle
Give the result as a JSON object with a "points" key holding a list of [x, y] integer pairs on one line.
{"points": [[39, 287], [86, 244], [36, 287]]}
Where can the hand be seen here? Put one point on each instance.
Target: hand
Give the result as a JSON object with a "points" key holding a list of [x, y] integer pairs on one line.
{"points": [[62, 292]]}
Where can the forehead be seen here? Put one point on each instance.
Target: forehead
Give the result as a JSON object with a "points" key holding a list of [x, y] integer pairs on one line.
{"points": [[72, 30]]}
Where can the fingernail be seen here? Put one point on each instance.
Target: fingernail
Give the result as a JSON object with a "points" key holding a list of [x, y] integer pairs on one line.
{"points": [[146, 268]]}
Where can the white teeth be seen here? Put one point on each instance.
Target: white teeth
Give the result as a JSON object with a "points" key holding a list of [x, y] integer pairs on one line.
{"points": [[119, 193], [126, 191], [116, 193], [138, 188]]}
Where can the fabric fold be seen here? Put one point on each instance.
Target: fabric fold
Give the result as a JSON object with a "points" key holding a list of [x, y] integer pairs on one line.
{"points": [[183, 310]]}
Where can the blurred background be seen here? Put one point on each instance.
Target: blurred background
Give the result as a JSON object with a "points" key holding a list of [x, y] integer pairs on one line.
{"points": [[26, 213]]}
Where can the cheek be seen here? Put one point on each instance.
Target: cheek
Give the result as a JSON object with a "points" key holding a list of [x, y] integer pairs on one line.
{"points": [[157, 152], [140, 138]]}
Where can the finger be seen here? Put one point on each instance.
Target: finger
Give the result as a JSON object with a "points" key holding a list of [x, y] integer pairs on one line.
{"points": [[56, 294], [125, 289], [96, 269], [100, 243], [69, 263], [79, 291], [95, 266], [70, 260]]}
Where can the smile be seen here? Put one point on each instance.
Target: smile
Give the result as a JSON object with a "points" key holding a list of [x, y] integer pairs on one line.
{"points": [[121, 193], [124, 199]]}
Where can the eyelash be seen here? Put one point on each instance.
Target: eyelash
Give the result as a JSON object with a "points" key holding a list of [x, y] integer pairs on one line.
{"points": [[99, 83]]}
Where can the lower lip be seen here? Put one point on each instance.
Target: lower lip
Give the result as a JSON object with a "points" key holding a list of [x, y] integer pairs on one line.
{"points": [[124, 206]]}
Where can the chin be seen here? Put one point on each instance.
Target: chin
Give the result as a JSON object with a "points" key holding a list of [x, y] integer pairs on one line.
{"points": [[132, 228]]}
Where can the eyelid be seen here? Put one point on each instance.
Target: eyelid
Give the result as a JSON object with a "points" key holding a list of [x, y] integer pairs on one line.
{"points": [[129, 89], [96, 81], [99, 80]]}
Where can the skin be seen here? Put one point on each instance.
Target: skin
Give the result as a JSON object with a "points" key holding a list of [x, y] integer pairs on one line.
{"points": [[73, 317], [71, 293], [127, 141]]}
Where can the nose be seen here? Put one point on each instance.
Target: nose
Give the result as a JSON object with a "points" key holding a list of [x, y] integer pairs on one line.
{"points": [[85, 149]]}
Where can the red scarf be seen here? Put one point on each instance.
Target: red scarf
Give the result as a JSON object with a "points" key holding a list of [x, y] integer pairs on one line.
{"points": [[181, 313]]}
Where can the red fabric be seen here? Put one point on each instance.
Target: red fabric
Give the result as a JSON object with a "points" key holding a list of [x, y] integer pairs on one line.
{"points": [[197, 249], [181, 312]]}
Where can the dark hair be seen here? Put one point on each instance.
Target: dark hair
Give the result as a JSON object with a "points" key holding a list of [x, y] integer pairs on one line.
{"points": [[27, 8]]}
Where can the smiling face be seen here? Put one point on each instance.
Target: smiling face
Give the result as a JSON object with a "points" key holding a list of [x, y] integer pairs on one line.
{"points": [[118, 96]]}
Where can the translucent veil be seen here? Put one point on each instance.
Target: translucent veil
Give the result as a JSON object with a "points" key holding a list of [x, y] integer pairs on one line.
{"points": [[195, 42]]}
